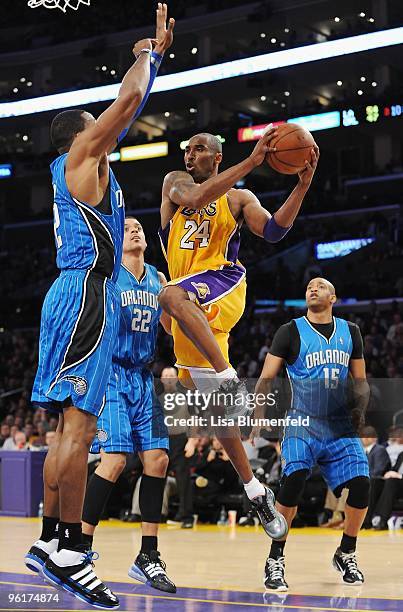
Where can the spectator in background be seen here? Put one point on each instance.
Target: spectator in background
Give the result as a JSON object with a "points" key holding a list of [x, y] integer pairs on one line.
{"points": [[216, 475], [29, 432], [180, 450], [9, 444], [378, 458], [379, 464], [395, 443], [393, 329], [4, 433], [390, 489], [40, 438], [50, 438], [17, 442]]}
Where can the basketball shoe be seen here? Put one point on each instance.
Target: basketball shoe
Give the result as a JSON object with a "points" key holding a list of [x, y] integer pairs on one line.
{"points": [[73, 570], [150, 569], [273, 522], [274, 574], [235, 393], [38, 554], [346, 564]]}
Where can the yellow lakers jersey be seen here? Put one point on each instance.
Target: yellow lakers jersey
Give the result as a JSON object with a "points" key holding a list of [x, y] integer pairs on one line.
{"points": [[196, 240]]}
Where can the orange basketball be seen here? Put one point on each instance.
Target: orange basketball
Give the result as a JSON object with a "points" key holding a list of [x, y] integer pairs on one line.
{"points": [[293, 144]]}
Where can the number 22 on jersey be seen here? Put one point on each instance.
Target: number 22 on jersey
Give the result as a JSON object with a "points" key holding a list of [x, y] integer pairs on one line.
{"points": [[141, 320]]}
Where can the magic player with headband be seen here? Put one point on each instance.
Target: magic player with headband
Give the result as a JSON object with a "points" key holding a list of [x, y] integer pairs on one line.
{"points": [[79, 322]]}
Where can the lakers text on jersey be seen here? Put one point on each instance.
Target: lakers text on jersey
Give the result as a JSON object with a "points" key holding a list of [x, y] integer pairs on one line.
{"points": [[201, 248]]}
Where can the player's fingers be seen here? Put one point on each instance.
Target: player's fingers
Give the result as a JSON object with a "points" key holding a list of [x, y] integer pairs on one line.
{"points": [[171, 25], [272, 149]]}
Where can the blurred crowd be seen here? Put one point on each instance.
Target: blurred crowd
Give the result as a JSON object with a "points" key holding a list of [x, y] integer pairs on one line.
{"points": [[49, 30]]}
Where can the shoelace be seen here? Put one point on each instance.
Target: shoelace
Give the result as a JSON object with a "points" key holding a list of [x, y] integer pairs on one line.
{"points": [[276, 568], [351, 562], [89, 557]]}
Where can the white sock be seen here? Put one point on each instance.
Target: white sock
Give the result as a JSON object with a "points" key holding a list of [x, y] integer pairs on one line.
{"points": [[254, 488], [227, 374]]}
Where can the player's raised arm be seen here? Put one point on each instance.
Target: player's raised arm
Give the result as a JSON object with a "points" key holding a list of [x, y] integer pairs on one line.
{"points": [[274, 228], [95, 140], [112, 125], [184, 191]]}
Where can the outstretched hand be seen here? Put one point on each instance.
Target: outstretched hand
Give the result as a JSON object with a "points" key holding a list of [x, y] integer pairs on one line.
{"points": [[262, 147], [306, 174], [163, 34]]}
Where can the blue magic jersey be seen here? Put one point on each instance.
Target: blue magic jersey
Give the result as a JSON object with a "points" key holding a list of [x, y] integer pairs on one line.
{"points": [[139, 316], [319, 378], [87, 239]]}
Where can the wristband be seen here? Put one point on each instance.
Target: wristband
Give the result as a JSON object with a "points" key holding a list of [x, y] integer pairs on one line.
{"points": [[273, 232], [156, 59], [143, 51]]}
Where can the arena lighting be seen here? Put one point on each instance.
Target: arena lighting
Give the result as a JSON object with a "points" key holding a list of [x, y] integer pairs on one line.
{"points": [[146, 151], [340, 248], [320, 121], [115, 156], [216, 72], [6, 171], [254, 132]]}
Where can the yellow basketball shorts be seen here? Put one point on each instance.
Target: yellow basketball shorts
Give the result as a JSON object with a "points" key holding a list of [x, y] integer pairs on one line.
{"points": [[221, 295]]}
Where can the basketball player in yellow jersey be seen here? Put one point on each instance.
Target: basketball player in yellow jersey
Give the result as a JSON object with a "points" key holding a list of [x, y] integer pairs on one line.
{"points": [[201, 216]]}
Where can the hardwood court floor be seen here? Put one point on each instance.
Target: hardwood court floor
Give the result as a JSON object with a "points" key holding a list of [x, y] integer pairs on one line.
{"points": [[219, 569]]}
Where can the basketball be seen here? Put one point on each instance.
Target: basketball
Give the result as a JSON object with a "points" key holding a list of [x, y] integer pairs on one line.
{"points": [[293, 144]]}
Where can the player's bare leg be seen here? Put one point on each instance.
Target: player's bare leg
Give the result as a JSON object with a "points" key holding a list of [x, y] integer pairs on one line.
{"points": [[354, 518], [148, 567], [192, 321], [49, 539], [51, 488], [344, 559], [71, 463]]}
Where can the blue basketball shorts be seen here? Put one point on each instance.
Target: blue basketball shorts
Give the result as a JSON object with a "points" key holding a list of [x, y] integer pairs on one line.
{"points": [[79, 327], [339, 460], [132, 419]]}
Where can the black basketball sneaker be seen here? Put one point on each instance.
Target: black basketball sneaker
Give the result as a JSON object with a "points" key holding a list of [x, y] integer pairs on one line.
{"points": [[74, 572], [150, 569], [346, 564], [273, 522], [274, 574], [38, 554]]}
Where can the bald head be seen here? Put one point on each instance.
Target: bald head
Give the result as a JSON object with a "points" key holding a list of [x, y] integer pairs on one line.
{"points": [[209, 140], [320, 295], [330, 286]]}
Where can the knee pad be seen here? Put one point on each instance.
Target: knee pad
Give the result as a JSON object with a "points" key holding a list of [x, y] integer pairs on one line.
{"points": [[358, 492], [292, 488]]}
